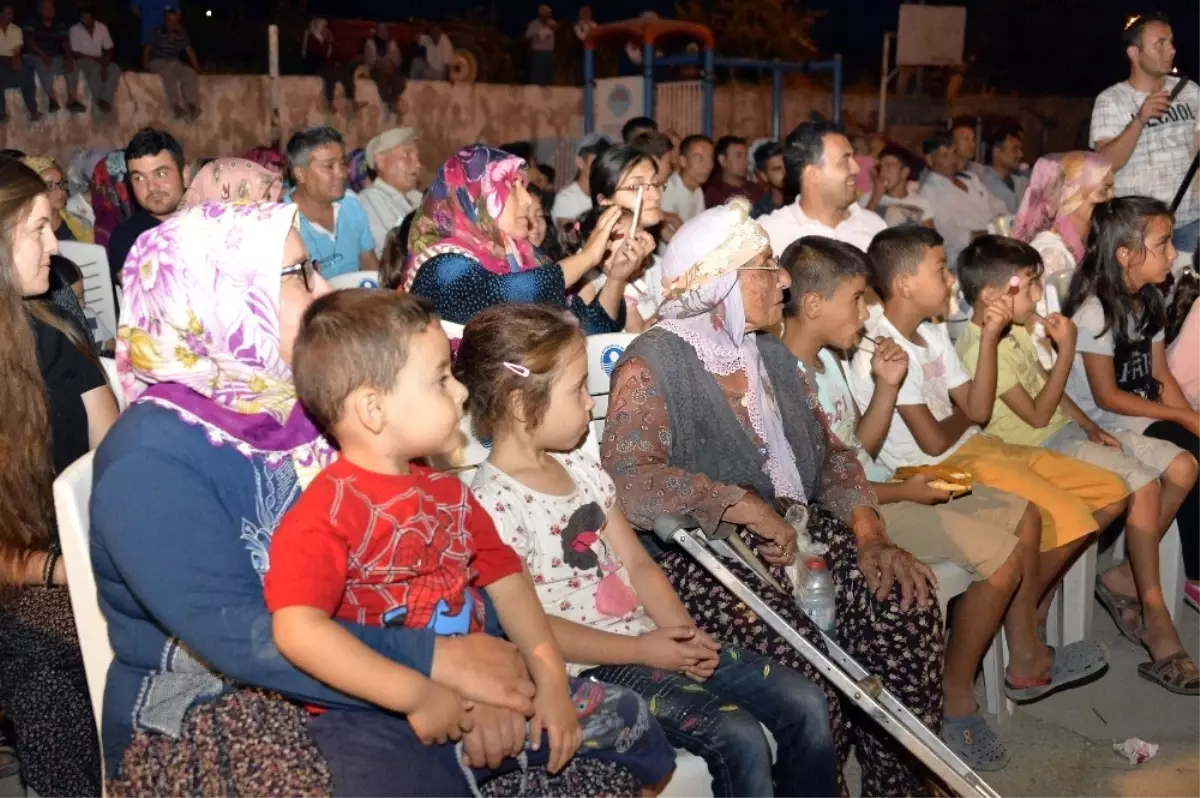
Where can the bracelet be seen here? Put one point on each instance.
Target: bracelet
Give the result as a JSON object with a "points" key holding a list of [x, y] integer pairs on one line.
{"points": [[48, 567]]}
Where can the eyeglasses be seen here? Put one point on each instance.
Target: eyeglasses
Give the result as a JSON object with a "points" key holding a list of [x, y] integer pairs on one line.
{"points": [[61, 185], [307, 269], [769, 265], [659, 187]]}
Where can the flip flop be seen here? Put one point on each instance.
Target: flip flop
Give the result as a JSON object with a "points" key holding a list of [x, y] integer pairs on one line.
{"points": [[974, 741], [1173, 673], [1073, 663], [1117, 605]]}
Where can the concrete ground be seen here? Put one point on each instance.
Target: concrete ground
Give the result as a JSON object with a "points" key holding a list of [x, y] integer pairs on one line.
{"points": [[1062, 745]]}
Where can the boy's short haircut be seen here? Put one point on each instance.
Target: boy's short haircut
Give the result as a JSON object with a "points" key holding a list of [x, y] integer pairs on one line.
{"points": [[354, 338], [819, 265], [936, 142], [764, 154], [899, 250], [992, 261], [652, 143]]}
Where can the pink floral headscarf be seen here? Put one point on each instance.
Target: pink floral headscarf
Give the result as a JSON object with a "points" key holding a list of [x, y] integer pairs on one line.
{"points": [[460, 213], [199, 328], [233, 180], [1058, 186], [702, 304]]}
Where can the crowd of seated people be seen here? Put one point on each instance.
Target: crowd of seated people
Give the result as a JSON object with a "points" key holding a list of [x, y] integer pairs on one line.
{"points": [[285, 581]]}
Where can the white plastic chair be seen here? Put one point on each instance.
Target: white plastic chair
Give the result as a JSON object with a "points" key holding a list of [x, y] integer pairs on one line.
{"points": [[92, 260], [114, 381], [364, 279], [72, 494], [603, 353]]}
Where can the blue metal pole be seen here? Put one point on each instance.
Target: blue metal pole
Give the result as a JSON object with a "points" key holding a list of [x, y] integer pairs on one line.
{"points": [[648, 79], [837, 89], [710, 79], [589, 90], [776, 103]]}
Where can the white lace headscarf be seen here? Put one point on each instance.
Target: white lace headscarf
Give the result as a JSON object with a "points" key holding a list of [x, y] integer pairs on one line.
{"points": [[702, 304]]}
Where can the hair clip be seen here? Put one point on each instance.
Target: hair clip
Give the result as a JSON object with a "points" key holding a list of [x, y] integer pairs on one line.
{"points": [[520, 371]]}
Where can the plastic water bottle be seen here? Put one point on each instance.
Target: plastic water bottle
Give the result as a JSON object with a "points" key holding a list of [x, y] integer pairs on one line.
{"points": [[815, 595]]}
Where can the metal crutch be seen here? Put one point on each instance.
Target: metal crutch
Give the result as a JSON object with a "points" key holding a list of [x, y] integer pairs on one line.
{"points": [[865, 690]]}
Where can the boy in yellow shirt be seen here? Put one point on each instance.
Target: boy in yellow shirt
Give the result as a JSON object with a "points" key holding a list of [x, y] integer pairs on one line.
{"points": [[1032, 409]]}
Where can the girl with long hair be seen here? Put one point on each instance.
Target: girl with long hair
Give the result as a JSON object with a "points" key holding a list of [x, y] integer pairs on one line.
{"points": [[57, 405], [1120, 378]]}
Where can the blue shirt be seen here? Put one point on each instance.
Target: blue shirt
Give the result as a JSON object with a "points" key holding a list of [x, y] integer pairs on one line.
{"points": [[339, 253], [180, 535]]}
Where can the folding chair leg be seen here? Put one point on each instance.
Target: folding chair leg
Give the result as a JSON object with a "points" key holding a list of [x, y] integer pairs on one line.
{"points": [[994, 663], [1078, 597], [863, 689]]}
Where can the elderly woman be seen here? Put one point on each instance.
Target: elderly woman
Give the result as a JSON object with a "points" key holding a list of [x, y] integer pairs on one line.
{"points": [[67, 226], [709, 418], [188, 489], [1056, 211], [233, 180], [469, 247]]}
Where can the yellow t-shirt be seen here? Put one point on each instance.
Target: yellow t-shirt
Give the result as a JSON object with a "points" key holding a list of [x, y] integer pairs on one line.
{"points": [[1016, 364]]}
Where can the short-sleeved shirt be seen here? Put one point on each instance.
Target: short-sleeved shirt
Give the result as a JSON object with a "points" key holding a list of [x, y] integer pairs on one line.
{"points": [[339, 251], [833, 392], [912, 209], [1131, 362], [790, 223], [165, 46], [11, 40], [1016, 364], [540, 35], [680, 200], [68, 374], [92, 44], [386, 550], [1164, 150], [50, 39], [933, 371], [958, 213], [571, 203], [577, 574]]}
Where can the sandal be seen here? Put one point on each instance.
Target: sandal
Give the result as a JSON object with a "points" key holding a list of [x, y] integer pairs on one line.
{"points": [[1118, 606], [974, 741], [1177, 673], [1073, 663]]}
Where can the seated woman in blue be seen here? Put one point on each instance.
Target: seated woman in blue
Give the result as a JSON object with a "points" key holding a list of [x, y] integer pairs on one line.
{"points": [[469, 248]]}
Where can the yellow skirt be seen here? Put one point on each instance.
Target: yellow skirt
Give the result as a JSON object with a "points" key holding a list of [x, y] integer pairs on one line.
{"points": [[1067, 491]]}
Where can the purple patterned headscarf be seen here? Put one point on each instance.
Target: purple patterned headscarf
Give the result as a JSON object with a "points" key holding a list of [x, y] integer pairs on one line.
{"points": [[199, 329], [702, 304]]}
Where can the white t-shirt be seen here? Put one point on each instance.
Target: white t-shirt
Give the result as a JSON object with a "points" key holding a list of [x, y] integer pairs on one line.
{"points": [[1055, 255], [933, 371], [958, 213], [789, 223], [833, 392], [540, 35], [913, 209], [11, 40], [1164, 150], [677, 199], [1132, 367], [570, 203], [94, 43], [576, 573]]}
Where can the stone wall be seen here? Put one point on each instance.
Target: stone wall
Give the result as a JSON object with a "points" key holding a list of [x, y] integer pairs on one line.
{"points": [[237, 111]]}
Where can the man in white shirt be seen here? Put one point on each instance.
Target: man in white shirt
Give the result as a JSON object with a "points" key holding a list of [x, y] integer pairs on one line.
{"points": [[962, 206], [965, 146], [93, 49], [684, 195], [819, 163], [394, 158], [540, 34], [893, 195], [438, 51], [575, 199], [1149, 138], [12, 71]]}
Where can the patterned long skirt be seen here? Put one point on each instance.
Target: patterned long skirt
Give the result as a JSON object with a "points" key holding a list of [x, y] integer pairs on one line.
{"points": [[904, 649]]}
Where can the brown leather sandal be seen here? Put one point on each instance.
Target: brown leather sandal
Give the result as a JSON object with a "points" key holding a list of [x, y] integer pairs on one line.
{"points": [[1177, 673]]}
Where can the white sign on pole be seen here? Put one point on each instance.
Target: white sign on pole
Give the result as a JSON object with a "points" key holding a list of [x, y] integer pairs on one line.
{"points": [[617, 101], [930, 35]]}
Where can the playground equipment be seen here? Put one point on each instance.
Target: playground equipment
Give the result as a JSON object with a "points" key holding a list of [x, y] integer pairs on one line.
{"points": [[649, 31]]}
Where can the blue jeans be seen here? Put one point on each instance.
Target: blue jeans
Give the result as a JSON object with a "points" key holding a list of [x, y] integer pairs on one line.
{"points": [[1185, 236], [719, 721]]}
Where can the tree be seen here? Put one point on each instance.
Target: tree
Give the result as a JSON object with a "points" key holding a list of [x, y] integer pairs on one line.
{"points": [[764, 29]]}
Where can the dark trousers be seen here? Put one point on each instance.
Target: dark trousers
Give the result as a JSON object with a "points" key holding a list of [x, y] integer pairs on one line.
{"points": [[1188, 517], [17, 78]]}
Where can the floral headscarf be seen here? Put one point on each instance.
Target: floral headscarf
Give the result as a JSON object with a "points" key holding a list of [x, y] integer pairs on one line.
{"points": [[1058, 185], [356, 170], [272, 159], [110, 195], [702, 304], [199, 330], [233, 180], [80, 169], [460, 212]]}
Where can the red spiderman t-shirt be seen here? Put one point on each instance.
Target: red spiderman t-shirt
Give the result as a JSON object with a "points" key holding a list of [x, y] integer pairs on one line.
{"points": [[382, 550]]}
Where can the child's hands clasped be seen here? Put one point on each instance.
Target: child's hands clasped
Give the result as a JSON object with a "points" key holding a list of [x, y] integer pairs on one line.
{"points": [[889, 362], [440, 716], [681, 649], [554, 713]]}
